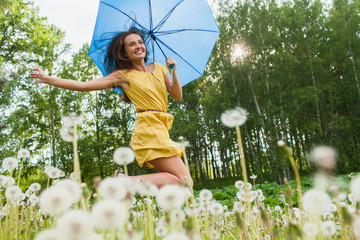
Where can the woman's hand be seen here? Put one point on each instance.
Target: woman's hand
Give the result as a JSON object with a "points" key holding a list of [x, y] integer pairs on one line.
{"points": [[39, 74], [171, 64]]}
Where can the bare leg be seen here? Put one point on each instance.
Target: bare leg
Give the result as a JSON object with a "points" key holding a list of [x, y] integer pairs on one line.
{"points": [[172, 170]]}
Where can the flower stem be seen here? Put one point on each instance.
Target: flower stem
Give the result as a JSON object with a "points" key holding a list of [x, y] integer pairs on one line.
{"points": [[76, 157], [21, 165]]}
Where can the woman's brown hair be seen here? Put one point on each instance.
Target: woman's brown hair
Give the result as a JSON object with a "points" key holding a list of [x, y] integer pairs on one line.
{"points": [[116, 59]]}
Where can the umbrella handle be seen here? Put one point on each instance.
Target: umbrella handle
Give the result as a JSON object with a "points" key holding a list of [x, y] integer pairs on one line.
{"points": [[171, 66]]}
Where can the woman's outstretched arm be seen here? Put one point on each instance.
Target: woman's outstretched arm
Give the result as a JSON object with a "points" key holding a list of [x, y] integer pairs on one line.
{"points": [[175, 90], [110, 81]]}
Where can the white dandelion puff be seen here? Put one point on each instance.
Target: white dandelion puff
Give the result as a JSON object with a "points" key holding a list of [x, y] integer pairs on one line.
{"points": [[55, 200], [316, 202], [205, 195], [355, 188], [112, 188], [67, 134], [72, 120], [35, 187], [53, 172], [324, 157], [23, 153], [7, 181], [109, 214], [13, 193], [176, 236], [170, 197], [253, 176], [310, 229], [239, 184], [124, 156], [234, 117], [72, 187], [216, 209], [281, 143], [50, 234], [161, 231], [356, 226], [182, 142], [75, 224], [328, 228], [9, 163]]}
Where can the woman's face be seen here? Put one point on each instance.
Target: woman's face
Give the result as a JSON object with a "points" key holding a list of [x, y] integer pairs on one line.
{"points": [[134, 47]]}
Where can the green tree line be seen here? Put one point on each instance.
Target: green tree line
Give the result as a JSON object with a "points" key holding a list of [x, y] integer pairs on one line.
{"points": [[297, 78]]}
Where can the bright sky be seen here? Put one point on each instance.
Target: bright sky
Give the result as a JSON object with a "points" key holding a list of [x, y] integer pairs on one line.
{"points": [[75, 17]]}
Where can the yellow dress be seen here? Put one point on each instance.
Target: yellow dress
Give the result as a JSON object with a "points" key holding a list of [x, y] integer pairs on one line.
{"points": [[150, 139]]}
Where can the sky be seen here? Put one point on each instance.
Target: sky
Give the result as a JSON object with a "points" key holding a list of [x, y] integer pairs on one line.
{"points": [[75, 17]]}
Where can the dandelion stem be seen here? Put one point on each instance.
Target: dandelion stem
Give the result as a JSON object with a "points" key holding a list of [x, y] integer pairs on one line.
{"points": [[126, 170], [21, 165], [76, 157]]}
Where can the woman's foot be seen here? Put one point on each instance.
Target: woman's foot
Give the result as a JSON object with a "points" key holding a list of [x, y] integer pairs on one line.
{"points": [[118, 174]]}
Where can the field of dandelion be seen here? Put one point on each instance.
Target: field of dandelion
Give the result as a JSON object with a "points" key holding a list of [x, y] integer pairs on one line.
{"points": [[318, 207]]}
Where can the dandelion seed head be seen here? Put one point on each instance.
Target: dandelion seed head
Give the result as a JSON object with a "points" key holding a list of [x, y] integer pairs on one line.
{"points": [[241, 195], [328, 228], [205, 195], [239, 184], [13, 193], [234, 117], [72, 120], [109, 214], [35, 187], [355, 188], [161, 231], [53, 172], [356, 226], [7, 181], [75, 224], [170, 197], [112, 188], [50, 234], [324, 157], [267, 237], [253, 176], [238, 207], [216, 209], [55, 200], [182, 142], [281, 143], [310, 229], [67, 134], [9, 163], [72, 187], [23, 153], [124, 156], [176, 236], [316, 202]]}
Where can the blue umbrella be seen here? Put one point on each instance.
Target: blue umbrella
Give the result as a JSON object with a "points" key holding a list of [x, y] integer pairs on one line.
{"points": [[183, 29]]}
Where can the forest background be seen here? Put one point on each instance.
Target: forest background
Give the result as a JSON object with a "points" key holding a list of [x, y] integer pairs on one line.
{"points": [[293, 65]]}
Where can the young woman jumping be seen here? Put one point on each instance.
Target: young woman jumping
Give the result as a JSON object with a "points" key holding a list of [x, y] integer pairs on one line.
{"points": [[147, 87]]}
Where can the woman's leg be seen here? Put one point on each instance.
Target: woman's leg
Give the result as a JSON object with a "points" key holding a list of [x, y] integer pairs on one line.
{"points": [[172, 170]]}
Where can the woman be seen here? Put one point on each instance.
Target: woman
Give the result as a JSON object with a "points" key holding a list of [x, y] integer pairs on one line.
{"points": [[147, 87]]}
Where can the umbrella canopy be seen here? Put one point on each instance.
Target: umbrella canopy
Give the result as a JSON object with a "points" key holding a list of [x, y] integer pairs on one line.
{"points": [[183, 29]]}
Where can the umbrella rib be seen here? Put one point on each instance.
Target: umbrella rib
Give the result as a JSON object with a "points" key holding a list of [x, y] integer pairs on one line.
{"points": [[161, 33], [124, 14], [175, 53], [166, 17], [150, 15]]}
